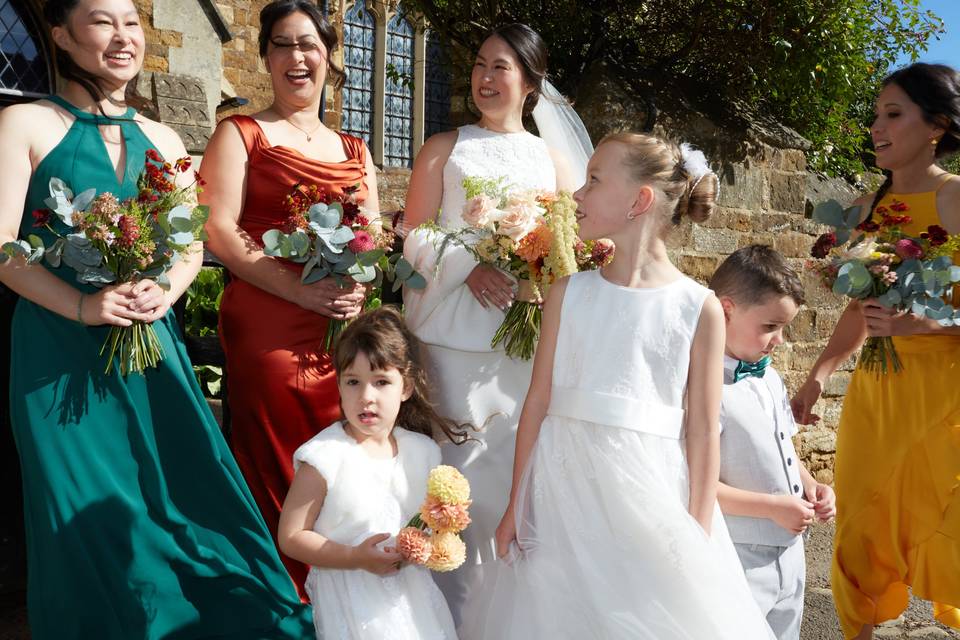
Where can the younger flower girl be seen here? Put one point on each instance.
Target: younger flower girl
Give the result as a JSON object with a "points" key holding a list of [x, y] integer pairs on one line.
{"points": [[613, 508], [356, 485]]}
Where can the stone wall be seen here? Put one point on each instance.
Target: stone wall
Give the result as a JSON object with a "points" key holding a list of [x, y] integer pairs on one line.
{"points": [[763, 199], [766, 196]]}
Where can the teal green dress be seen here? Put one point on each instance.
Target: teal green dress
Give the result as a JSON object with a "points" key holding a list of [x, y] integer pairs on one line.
{"points": [[138, 521]]}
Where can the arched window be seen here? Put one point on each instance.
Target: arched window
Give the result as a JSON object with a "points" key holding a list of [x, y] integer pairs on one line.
{"points": [[437, 99], [359, 37], [24, 67], [398, 98]]}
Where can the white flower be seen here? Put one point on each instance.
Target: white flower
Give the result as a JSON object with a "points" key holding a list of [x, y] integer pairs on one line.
{"points": [[860, 252]]}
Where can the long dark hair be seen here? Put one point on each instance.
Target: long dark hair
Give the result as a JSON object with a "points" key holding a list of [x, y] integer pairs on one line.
{"points": [[385, 340], [57, 14], [280, 9], [531, 51], [935, 88]]}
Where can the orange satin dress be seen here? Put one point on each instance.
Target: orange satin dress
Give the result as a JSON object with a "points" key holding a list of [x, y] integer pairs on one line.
{"points": [[282, 387], [898, 475]]}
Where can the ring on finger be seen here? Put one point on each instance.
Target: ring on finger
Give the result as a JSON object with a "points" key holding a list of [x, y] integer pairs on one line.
{"points": [[483, 292]]}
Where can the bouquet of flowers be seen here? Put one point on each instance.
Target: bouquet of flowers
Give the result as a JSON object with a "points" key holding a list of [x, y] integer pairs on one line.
{"points": [[444, 513], [533, 236], [334, 237], [111, 241], [902, 272]]}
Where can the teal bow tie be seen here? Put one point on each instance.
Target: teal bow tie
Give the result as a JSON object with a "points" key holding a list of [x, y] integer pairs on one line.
{"points": [[745, 369]]}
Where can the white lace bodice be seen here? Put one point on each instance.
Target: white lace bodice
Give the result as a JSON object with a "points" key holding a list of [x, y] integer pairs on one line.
{"points": [[625, 342], [520, 157]]}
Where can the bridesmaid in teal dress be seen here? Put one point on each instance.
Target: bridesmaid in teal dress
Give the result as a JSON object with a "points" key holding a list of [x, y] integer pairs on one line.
{"points": [[139, 523]]}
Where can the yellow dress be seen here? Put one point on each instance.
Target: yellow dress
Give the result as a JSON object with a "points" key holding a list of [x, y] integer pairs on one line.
{"points": [[898, 476]]}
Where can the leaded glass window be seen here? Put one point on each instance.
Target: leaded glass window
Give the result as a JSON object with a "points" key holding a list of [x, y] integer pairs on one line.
{"points": [[24, 66], [437, 89], [359, 42], [398, 99]]}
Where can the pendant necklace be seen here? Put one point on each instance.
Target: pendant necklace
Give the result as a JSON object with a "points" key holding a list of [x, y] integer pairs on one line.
{"points": [[310, 133]]}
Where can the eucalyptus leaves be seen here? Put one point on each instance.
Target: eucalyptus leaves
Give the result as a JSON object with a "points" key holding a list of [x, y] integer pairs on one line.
{"points": [[106, 241], [335, 239], [880, 261]]}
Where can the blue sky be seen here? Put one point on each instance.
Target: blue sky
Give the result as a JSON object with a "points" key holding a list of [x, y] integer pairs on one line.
{"points": [[947, 49]]}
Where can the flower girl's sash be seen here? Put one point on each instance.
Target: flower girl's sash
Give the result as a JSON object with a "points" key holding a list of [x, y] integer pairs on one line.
{"points": [[617, 411]]}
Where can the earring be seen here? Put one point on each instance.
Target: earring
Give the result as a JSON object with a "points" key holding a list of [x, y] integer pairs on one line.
{"points": [[934, 141], [631, 215]]}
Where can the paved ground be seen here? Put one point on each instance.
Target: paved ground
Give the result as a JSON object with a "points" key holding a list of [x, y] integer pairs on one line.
{"points": [[820, 620]]}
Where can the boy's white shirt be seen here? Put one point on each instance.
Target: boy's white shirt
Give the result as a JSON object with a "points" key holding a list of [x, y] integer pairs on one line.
{"points": [[756, 449]]}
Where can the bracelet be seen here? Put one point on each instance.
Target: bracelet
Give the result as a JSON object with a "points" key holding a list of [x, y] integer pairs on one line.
{"points": [[80, 308]]}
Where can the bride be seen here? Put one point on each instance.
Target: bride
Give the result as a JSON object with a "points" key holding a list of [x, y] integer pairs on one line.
{"points": [[464, 302]]}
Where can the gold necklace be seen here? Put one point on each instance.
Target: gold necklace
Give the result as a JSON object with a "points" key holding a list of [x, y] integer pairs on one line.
{"points": [[310, 133]]}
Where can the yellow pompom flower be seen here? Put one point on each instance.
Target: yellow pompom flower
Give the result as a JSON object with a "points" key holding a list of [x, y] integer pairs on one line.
{"points": [[448, 485], [447, 552]]}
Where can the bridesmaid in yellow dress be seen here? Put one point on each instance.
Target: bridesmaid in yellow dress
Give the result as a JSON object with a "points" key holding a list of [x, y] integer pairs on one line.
{"points": [[898, 448]]}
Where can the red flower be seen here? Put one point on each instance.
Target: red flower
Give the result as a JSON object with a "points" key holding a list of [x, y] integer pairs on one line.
{"points": [[868, 226], [823, 245], [895, 221], [936, 234], [602, 252], [129, 231], [907, 248], [200, 181], [182, 164], [361, 242], [361, 220], [153, 155], [41, 217], [899, 207], [350, 212], [881, 210]]}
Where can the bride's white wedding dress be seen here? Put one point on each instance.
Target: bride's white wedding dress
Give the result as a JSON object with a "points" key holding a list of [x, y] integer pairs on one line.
{"points": [[472, 382], [608, 549]]}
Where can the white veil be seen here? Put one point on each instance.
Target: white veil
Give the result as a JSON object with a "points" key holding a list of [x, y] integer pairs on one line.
{"points": [[562, 129]]}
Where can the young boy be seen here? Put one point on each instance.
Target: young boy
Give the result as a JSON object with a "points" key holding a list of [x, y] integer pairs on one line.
{"points": [[767, 496]]}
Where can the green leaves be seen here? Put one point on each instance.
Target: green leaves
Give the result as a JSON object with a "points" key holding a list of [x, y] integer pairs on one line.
{"points": [[853, 280], [844, 220], [815, 66]]}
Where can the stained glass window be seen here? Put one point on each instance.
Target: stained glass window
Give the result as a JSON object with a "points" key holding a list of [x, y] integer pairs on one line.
{"points": [[23, 64], [359, 40], [437, 90], [398, 98]]}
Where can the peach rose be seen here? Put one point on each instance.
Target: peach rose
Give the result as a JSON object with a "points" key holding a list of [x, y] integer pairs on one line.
{"points": [[480, 211], [520, 218], [414, 545]]}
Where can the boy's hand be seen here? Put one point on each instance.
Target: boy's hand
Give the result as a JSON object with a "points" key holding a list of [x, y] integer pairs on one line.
{"points": [[792, 513], [369, 557], [825, 506]]}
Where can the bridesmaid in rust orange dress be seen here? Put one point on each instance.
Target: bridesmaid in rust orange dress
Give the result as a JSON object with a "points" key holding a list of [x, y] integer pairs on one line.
{"points": [[282, 385]]}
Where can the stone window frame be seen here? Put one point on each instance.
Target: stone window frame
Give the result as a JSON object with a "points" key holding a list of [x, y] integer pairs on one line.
{"points": [[383, 11]]}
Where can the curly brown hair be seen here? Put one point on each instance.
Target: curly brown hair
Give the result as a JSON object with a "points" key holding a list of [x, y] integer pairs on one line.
{"points": [[385, 340]]}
